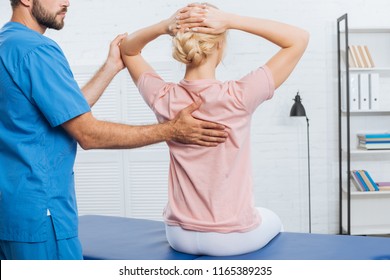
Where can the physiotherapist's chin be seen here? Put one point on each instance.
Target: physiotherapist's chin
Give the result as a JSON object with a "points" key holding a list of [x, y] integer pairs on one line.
{"points": [[58, 25]]}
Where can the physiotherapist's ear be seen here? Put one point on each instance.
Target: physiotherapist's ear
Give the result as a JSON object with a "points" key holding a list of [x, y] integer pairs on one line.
{"points": [[26, 3]]}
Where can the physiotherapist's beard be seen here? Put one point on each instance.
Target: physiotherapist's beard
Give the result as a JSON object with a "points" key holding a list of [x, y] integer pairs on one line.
{"points": [[44, 18]]}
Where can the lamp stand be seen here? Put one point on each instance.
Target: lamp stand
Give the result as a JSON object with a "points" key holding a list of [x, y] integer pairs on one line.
{"points": [[308, 169]]}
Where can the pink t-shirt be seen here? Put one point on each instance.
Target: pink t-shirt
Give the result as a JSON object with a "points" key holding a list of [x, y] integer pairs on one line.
{"points": [[211, 189]]}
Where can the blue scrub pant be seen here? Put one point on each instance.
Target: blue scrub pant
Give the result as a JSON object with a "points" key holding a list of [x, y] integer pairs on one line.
{"points": [[51, 249]]}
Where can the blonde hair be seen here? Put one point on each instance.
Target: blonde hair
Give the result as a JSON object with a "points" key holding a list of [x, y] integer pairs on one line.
{"points": [[193, 48]]}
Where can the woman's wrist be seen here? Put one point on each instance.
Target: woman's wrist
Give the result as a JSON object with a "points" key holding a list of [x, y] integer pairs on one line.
{"points": [[164, 27], [233, 21]]}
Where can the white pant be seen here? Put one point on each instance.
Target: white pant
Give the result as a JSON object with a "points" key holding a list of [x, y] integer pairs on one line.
{"points": [[225, 244]]}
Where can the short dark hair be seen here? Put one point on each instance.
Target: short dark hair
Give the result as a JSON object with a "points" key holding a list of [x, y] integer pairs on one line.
{"points": [[14, 3]]}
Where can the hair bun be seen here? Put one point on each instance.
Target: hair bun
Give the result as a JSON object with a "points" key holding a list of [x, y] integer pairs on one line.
{"points": [[193, 48]]}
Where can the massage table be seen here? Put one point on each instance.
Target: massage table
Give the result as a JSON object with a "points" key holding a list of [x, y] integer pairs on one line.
{"points": [[119, 238]]}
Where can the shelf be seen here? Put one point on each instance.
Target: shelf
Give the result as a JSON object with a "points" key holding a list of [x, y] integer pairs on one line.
{"points": [[363, 212], [355, 192], [366, 112], [368, 152], [370, 212], [375, 69], [368, 30]]}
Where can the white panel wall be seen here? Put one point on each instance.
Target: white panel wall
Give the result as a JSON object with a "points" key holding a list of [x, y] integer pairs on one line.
{"points": [[130, 183], [279, 142]]}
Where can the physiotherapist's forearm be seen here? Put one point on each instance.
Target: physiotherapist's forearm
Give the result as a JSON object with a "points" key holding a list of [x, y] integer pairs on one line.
{"points": [[100, 81], [95, 87], [91, 133], [118, 136]]}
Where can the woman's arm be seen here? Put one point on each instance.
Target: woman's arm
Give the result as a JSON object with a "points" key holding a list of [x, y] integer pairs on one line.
{"points": [[292, 40], [193, 16], [132, 45]]}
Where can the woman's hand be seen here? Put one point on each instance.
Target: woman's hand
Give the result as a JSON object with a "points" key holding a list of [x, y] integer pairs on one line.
{"points": [[186, 18], [204, 18]]}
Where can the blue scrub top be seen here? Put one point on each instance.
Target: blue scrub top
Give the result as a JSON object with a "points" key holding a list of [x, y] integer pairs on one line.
{"points": [[37, 94]]}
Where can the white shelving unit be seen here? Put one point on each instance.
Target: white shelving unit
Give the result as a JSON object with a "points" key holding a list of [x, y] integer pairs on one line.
{"points": [[363, 213], [369, 213]]}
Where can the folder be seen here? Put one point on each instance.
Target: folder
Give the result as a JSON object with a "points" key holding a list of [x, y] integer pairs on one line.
{"points": [[354, 91], [364, 91], [374, 91]]}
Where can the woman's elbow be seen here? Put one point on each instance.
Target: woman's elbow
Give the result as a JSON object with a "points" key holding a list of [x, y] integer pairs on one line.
{"points": [[126, 48], [304, 38], [123, 48]]}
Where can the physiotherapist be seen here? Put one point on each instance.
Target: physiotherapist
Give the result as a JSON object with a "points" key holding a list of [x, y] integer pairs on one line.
{"points": [[43, 115]]}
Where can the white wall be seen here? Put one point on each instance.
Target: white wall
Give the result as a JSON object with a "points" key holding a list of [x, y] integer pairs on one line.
{"points": [[279, 142]]}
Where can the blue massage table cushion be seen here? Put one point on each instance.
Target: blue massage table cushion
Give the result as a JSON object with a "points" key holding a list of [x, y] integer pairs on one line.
{"points": [[118, 238]]}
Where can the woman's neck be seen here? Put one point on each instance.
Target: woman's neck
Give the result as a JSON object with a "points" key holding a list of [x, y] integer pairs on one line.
{"points": [[204, 71], [199, 73]]}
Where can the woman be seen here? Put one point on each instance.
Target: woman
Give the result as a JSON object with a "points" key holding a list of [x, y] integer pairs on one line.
{"points": [[210, 208]]}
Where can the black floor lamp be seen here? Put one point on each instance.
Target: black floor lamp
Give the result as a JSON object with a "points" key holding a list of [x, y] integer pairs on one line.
{"points": [[298, 110]]}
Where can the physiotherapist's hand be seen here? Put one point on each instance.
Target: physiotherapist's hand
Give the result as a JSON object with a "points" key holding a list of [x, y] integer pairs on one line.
{"points": [[114, 59], [189, 130]]}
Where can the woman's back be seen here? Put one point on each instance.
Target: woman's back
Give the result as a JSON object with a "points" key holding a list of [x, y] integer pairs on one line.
{"points": [[210, 189]]}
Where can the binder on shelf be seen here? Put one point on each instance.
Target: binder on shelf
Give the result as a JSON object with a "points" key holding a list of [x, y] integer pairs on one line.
{"points": [[371, 181], [369, 57], [374, 91], [357, 56], [366, 56], [352, 58], [365, 180], [353, 93], [364, 91], [361, 181], [356, 182], [363, 56]]}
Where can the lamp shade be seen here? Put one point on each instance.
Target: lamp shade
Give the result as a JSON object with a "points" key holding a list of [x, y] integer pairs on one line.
{"points": [[297, 109]]}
